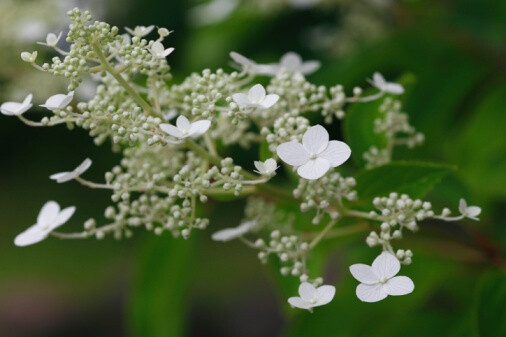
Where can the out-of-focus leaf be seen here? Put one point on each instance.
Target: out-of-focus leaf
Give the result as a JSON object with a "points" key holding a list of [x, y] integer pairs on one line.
{"points": [[413, 178], [491, 306], [480, 147], [157, 306]]}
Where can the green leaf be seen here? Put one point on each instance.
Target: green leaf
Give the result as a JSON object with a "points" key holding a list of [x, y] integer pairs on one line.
{"points": [[413, 178], [160, 287], [359, 122], [491, 306]]}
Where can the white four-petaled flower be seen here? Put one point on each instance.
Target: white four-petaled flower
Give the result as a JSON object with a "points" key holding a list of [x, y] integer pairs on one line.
{"points": [[159, 51], [63, 177], [470, 212], [250, 66], [16, 108], [140, 31], [310, 297], [228, 234], [316, 155], [256, 98], [59, 101], [379, 82], [266, 168], [51, 40], [185, 129], [29, 57], [292, 63], [379, 280], [50, 217]]}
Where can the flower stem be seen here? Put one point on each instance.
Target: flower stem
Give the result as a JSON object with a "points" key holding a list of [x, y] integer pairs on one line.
{"points": [[111, 70]]}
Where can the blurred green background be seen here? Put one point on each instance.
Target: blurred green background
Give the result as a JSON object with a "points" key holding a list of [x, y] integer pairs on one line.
{"points": [[150, 287]]}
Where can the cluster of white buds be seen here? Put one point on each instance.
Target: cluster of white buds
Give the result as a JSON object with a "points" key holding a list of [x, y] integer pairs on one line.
{"points": [[288, 127], [396, 213], [394, 125], [315, 194], [290, 250]]}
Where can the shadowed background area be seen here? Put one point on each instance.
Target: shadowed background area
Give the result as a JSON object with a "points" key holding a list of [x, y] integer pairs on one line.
{"points": [[454, 52]]}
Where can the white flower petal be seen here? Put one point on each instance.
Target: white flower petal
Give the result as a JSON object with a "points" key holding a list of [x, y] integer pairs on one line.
{"points": [[48, 213], [315, 139], [256, 94], [241, 99], [30, 236], [370, 292], [364, 273], [462, 206], [28, 99], [226, 234], [58, 101], [307, 291], [473, 211], [171, 130], [298, 302], [259, 166], [379, 80], [399, 285], [182, 123], [168, 51], [84, 166], [62, 177], [394, 88], [336, 153], [62, 217], [314, 169], [199, 127], [310, 67], [325, 294], [386, 265], [291, 62], [269, 101], [292, 153], [157, 48], [270, 165], [240, 59]]}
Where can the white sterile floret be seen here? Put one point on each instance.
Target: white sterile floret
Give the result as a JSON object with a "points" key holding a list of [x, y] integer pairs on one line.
{"points": [[59, 101], [310, 297], [379, 82], [292, 63], [140, 31], [470, 212], [250, 66], [29, 57], [255, 98], [379, 280], [316, 155], [266, 168], [51, 40], [228, 234], [63, 177], [15, 108], [159, 51], [50, 217], [185, 129]]}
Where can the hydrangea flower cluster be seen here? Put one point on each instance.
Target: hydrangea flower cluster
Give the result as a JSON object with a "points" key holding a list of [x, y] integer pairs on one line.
{"points": [[169, 168]]}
